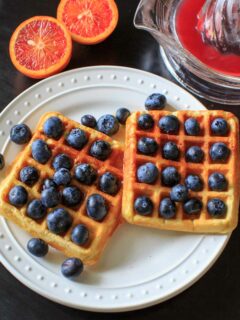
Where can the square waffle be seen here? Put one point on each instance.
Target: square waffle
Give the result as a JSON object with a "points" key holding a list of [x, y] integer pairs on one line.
{"points": [[157, 191], [99, 232]]}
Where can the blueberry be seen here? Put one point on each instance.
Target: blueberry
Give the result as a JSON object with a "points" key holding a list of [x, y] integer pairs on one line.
{"points": [[194, 154], [107, 124], [59, 221], [18, 196], [167, 208], [156, 101], [170, 151], [88, 121], [29, 175], [2, 162], [37, 247], [62, 177], [143, 206], [62, 161], [85, 173], [179, 193], [36, 210], [20, 134], [97, 207], [147, 173], [71, 196], [192, 127], [122, 114], [77, 139], [169, 124], [145, 122], [216, 208], [53, 128], [50, 197], [109, 183], [72, 267], [80, 234], [147, 145], [219, 127], [48, 183], [170, 176], [192, 206], [219, 152], [194, 182], [40, 151], [217, 182], [100, 149]]}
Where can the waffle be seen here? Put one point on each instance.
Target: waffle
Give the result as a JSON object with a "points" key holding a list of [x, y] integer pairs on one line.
{"points": [[182, 222], [99, 232]]}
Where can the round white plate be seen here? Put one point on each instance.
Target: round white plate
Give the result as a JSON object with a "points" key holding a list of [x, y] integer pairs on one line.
{"points": [[140, 267]]}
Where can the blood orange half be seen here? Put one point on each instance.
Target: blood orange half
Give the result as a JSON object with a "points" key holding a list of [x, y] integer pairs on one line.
{"points": [[88, 21], [40, 47]]}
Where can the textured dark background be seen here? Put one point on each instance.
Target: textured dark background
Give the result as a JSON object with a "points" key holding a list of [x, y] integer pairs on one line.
{"points": [[215, 295]]}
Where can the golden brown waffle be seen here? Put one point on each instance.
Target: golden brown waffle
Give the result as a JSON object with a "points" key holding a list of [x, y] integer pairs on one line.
{"points": [[182, 222], [99, 231]]}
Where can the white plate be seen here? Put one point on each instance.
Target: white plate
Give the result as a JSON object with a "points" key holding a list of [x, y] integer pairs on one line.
{"points": [[140, 267]]}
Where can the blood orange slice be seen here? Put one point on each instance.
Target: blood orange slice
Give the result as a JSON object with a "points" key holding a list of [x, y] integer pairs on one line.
{"points": [[40, 47], [88, 21]]}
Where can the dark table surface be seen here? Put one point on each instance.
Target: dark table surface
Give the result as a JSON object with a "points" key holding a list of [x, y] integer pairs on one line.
{"points": [[216, 294]]}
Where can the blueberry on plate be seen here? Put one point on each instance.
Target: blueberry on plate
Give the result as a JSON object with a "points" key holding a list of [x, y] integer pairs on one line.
{"points": [[59, 221], [100, 149], [29, 175], [192, 206], [18, 196], [89, 121], [217, 182], [40, 151], [85, 173], [156, 101], [2, 162], [62, 177], [107, 124], [167, 208], [179, 193], [145, 122], [53, 128], [194, 182], [37, 247], [143, 206], [72, 267], [169, 124], [49, 183], [62, 160], [170, 176], [97, 207], [219, 152], [80, 234], [50, 197], [77, 138], [36, 210], [71, 196], [194, 154], [147, 173], [109, 183], [122, 114], [147, 145], [216, 208], [219, 127], [170, 151], [20, 134], [192, 127]]}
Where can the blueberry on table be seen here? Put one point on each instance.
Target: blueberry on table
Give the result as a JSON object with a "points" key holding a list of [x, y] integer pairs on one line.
{"points": [[194, 182], [179, 193], [2, 162], [59, 221], [97, 207], [40, 151], [109, 183], [77, 139], [71, 196], [194, 154], [50, 197], [62, 160], [169, 124], [219, 152], [53, 128], [192, 206], [29, 175], [85, 173], [167, 208], [192, 127], [170, 151], [147, 145], [216, 208], [156, 101], [18, 196], [100, 149], [48, 183], [122, 114], [219, 127], [108, 124], [72, 267], [145, 122], [36, 210], [170, 176], [20, 134], [62, 177], [217, 182], [80, 234], [147, 173], [89, 121], [37, 247], [143, 206]]}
